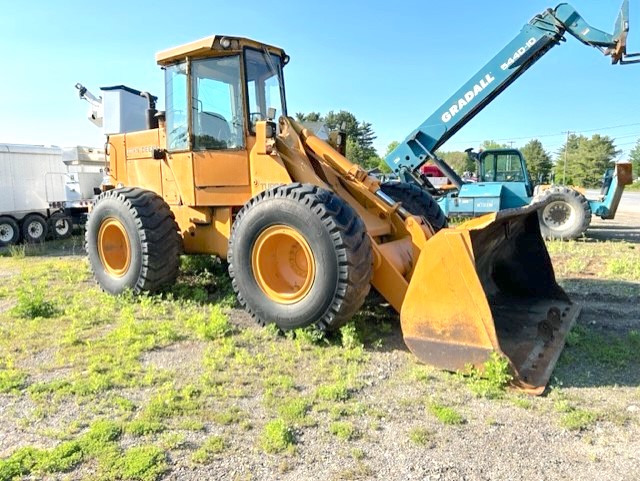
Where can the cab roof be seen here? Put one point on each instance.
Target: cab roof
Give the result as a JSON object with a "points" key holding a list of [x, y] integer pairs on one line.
{"points": [[208, 46]]}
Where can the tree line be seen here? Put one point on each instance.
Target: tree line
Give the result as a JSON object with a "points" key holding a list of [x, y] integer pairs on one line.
{"points": [[580, 161]]}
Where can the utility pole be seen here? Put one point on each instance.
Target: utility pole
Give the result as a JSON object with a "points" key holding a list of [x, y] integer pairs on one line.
{"points": [[566, 148]]}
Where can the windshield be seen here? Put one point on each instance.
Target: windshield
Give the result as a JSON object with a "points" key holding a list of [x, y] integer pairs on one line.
{"points": [[265, 86]]}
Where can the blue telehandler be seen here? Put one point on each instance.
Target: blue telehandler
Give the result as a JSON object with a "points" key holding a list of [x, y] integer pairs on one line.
{"points": [[563, 212], [503, 182]]}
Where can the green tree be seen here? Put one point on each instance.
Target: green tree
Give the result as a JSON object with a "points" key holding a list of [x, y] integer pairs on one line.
{"points": [[584, 159], [538, 160], [360, 136], [634, 158], [458, 161], [492, 144], [310, 117]]}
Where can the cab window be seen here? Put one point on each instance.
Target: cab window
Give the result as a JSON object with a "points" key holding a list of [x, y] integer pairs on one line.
{"points": [[264, 85], [503, 167], [216, 105], [176, 106]]}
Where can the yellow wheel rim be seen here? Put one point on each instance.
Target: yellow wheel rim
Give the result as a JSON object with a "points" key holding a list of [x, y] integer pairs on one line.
{"points": [[283, 264], [113, 247]]}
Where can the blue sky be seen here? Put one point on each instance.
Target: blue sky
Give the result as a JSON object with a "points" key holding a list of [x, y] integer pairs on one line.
{"points": [[389, 63]]}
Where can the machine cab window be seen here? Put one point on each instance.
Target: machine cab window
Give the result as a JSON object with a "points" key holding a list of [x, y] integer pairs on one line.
{"points": [[502, 167], [264, 86], [216, 104]]}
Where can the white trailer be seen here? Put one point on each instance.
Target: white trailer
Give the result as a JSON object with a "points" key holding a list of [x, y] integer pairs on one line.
{"points": [[41, 191]]}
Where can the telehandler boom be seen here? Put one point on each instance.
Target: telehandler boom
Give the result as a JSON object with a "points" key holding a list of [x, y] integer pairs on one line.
{"points": [[536, 38], [305, 231]]}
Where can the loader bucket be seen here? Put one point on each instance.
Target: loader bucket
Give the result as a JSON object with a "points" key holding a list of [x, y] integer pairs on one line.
{"points": [[488, 285]]}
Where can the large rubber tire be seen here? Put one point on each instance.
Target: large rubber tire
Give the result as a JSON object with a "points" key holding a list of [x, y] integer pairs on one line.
{"points": [[132, 241], [34, 229], [9, 231], [567, 215], [60, 225], [299, 255], [417, 201]]}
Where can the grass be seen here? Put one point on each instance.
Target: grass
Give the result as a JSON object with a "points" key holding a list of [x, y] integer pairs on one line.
{"points": [[492, 380], [152, 380], [211, 447], [343, 430], [603, 348], [276, 437], [421, 436], [602, 260], [446, 414]]}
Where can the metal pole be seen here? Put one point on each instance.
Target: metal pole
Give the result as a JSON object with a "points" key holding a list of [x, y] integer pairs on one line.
{"points": [[566, 147]]}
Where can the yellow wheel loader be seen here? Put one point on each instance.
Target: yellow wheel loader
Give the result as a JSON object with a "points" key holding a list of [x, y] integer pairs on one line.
{"points": [[305, 231]]}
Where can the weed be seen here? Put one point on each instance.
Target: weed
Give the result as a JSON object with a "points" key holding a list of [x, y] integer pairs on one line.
{"points": [[211, 446], [60, 459], [17, 251], [142, 427], [32, 303], [605, 349], [276, 437], [295, 411], [189, 424], [65, 456], [144, 463], [350, 336], [626, 267], [170, 402], [445, 414], [333, 392], [215, 326], [233, 415], [491, 381], [578, 419], [172, 440], [308, 336], [12, 380], [522, 402], [361, 471], [343, 430], [421, 436], [20, 463], [357, 454]]}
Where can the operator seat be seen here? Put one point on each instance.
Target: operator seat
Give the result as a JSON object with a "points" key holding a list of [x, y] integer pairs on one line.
{"points": [[213, 131]]}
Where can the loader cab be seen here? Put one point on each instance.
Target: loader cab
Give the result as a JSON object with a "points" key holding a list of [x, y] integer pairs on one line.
{"points": [[217, 89]]}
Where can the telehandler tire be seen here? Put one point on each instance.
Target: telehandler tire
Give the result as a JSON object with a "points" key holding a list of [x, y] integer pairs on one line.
{"points": [[9, 231], [567, 216], [417, 201], [300, 255], [132, 241]]}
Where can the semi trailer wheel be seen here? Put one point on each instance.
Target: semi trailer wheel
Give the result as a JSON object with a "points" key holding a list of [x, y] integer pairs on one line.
{"points": [[34, 229], [299, 255], [60, 225], [567, 216], [9, 231], [417, 201], [132, 241]]}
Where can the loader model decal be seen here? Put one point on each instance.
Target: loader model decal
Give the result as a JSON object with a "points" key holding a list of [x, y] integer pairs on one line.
{"points": [[468, 97]]}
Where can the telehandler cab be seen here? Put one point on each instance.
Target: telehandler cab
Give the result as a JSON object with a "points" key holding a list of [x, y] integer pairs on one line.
{"points": [[305, 231]]}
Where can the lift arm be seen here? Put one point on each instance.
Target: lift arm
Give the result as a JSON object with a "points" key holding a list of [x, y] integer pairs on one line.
{"points": [[536, 38]]}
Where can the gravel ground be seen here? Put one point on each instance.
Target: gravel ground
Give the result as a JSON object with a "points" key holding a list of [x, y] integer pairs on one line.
{"points": [[511, 439]]}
